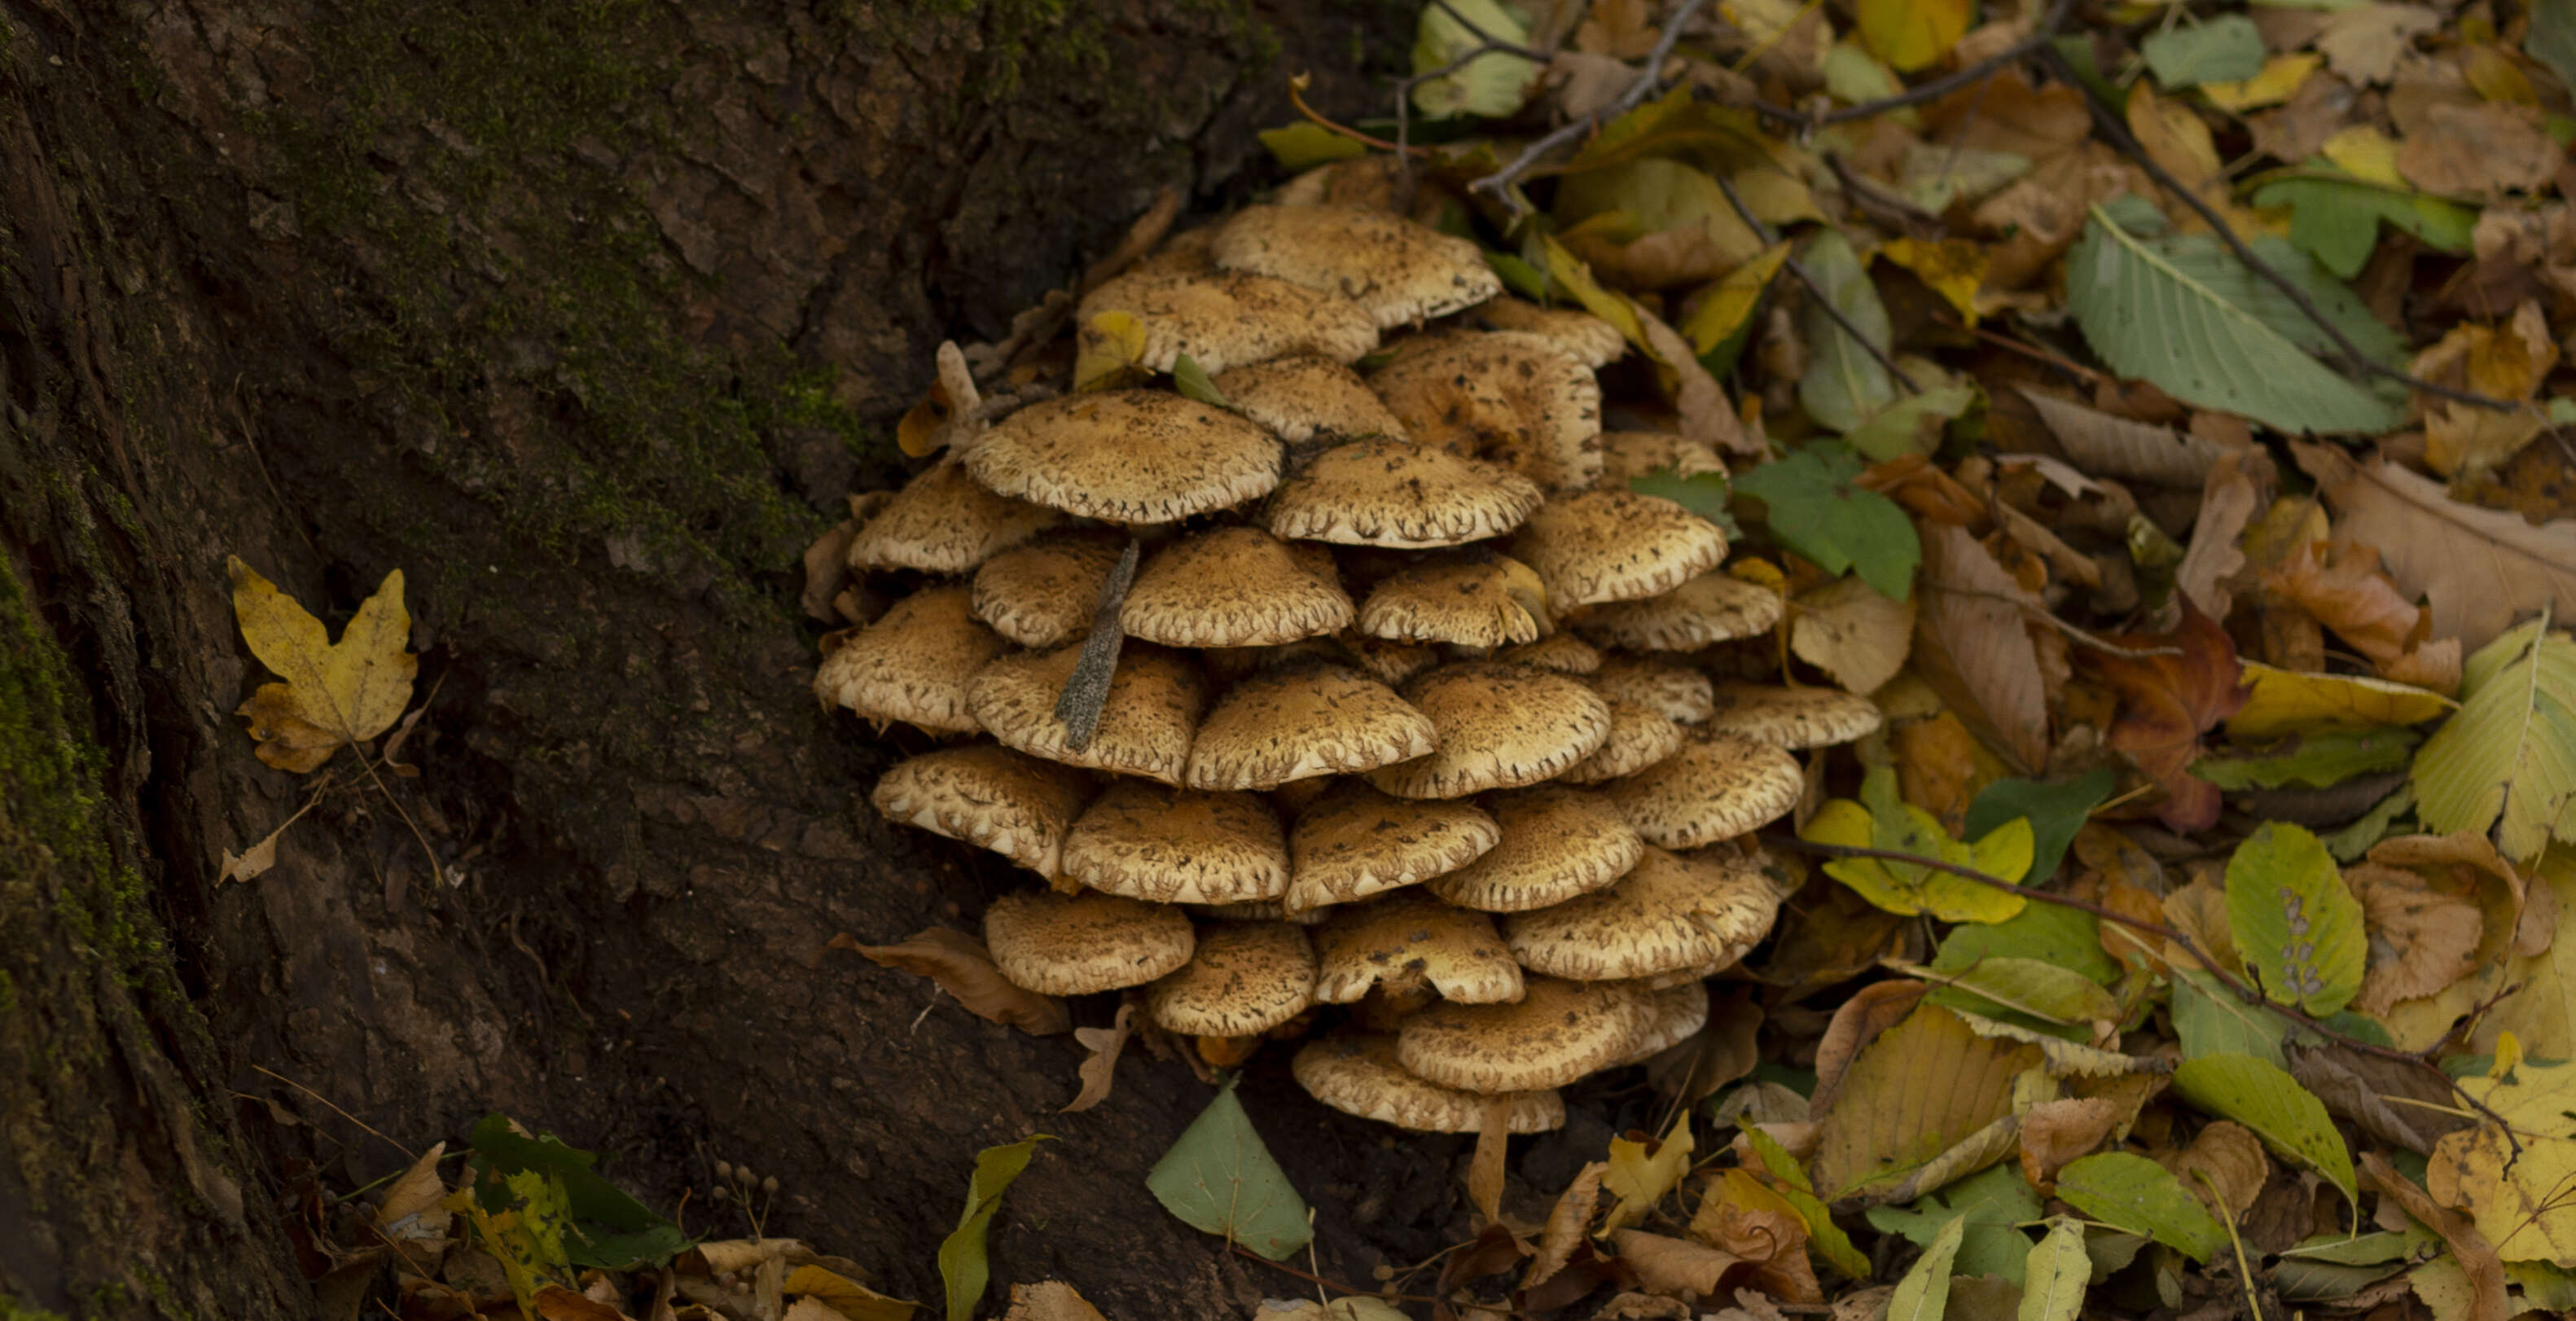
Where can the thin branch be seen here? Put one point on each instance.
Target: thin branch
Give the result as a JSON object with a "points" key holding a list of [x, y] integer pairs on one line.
{"points": [[1649, 80], [1086, 690], [2357, 362], [1935, 89], [1488, 38], [1297, 98], [1815, 291]]}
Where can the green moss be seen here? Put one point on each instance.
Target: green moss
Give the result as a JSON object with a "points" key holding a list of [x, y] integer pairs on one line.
{"points": [[13, 1310]]}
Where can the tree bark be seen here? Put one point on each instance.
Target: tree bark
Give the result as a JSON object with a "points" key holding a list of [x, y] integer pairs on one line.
{"points": [[584, 314]]}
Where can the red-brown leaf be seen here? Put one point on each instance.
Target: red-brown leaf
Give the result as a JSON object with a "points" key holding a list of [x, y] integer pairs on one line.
{"points": [[2167, 701]]}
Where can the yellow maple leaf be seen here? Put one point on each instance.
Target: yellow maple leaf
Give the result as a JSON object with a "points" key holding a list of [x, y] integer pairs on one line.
{"points": [[334, 692], [1953, 268]]}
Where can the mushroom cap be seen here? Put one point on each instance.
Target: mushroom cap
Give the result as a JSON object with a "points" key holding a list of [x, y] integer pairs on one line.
{"points": [[1630, 454], [1558, 842], [1577, 334], [1506, 397], [1471, 599], [1497, 726], [1234, 587], [1668, 914], [1562, 652], [913, 664], [1658, 683], [1357, 1073], [1178, 846], [1616, 545], [1400, 271], [1793, 717], [1717, 786], [1075, 944], [1044, 594], [1304, 396], [1711, 608], [1300, 721], [1225, 319], [1640, 736], [988, 796], [1384, 660], [1557, 1033], [1411, 939], [1145, 726], [943, 522], [1354, 842], [1127, 456], [1261, 910], [1390, 493], [1680, 1011], [1244, 978]]}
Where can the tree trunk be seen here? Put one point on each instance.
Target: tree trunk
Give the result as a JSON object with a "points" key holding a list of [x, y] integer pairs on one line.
{"points": [[584, 314]]}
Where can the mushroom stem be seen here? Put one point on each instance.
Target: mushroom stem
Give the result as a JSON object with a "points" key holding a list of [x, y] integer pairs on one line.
{"points": [[1087, 690]]}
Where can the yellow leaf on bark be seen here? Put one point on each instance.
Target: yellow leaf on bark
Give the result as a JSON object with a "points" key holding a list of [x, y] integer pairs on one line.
{"points": [[334, 692]]}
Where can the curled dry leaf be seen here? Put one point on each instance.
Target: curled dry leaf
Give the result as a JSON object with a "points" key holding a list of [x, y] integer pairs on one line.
{"points": [[2228, 502], [2341, 584], [959, 963], [2422, 937], [1675, 1267], [1972, 646], [2173, 689], [1923, 1087], [2476, 1255], [1099, 1069], [1851, 631], [1569, 1224], [2055, 1132], [1856, 1023], [2479, 569], [2104, 445], [1049, 1300], [2235, 1163]]}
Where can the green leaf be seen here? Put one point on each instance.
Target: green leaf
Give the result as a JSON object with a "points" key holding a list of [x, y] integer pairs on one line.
{"points": [[2029, 986], [2508, 755], [2263, 1097], [1702, 493], [2056, 810], [2336, 219], [1843, 384], [2138, 1195], [1989, 1207], [2212, 1020], [961, 1255], [2226, 49], [2295, 921], [1304, 145], [1518, 275], [2314, 760], [1818, 509], [1823, 1234], [1924, 1293], [2364, 1250], [1191, 380], [1911, 425], [2053, 1285], [2350, 843], [2067, 937], [1490, 86], [1219, 1178], [2551, 38], [2162, 311], [609, 1230]]}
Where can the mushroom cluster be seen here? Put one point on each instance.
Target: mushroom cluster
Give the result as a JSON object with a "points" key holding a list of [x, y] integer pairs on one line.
{"points": [[1407, 711]]}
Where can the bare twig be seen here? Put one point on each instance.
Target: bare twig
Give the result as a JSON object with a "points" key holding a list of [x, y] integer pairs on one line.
{"points": [[1649, 80], [1086, 691], [2358, 363], [1815, 291], [1935, 89], [1297, 98]]}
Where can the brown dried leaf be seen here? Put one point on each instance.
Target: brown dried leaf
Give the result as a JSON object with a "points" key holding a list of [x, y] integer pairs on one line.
{"points": [[2341, 584], [2227, 503], [2348, 1095], [1099, 1069], [2233, 1159], [1569, 1224], [1050, 1300], [2103, 445], [1674, 1267], [2055, 1132], [2167, 703], [2479, 569], [827, 570], [2422, 937], [415, 1207], [1971, 645], [1849, 630], [2477, 1258], [2482, 150], [1706, 416], [1856, 1023], [2199, 910], [961, 967]]}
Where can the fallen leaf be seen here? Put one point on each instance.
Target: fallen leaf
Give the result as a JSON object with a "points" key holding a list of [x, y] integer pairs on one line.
{"points": [[2542, 1015], [2298, 927], [2136, 1194], [1569, 1225], [415, 1208], [1883, 820], [1673, 1266], [1952, 268], [1857, 1021], [2230, 1159], [2479, 569], [1916, 1091], [2514, 1188], [841, 1298], [2342, 585], [2470, 1248], [1971, 644], [2055, 1132], [1923, 1294], [1644, 1171], [1049, 1300], [2364, 42], [2227, 503], [2478, 151], [1912, 34], [1099, 1069], [2507, 759], [2421, 938], [2058, 1270], [2266, 1099], [1991, 1207], [335, 692], [962, 968], [2167, 703], [1220, 1178], [2284, 703], [962, 1264]]}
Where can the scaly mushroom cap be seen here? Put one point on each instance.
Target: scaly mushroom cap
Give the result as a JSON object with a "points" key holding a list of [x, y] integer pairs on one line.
{"points": [[1616, 545], [1507, 398], [1680, 1011], [1497, 726], [1354, 842], [1385, 661], [1302, 720], [1794, 717], [991, 797], [1669, 914], [913, 664], [1658, 683], [1261, 910], [1075, 944], [1127, 456], [1558, 842], [1628, 454], [1244, 978], [1234, 587], [1225, 319], [943, 522], [1409, 939], [1389, 493], [1711, 608], [1559, 1032], [1044, 594], [1640, 736], [1357, 1074], [1472, 599], [1178, 846], [1563, 653], [1400, 271], [1577, 334], [1302, 397], [1718, 786], [1145, 726]]}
